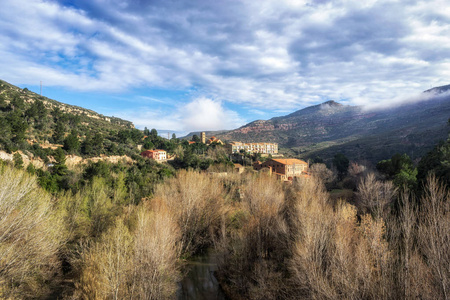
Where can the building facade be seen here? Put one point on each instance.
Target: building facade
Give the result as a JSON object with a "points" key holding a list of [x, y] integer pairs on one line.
{"points": [[264, 148], [285, 169], [159, 155]]}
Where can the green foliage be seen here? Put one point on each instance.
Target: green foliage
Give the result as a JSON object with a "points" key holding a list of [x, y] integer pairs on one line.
{"points": [[58, 133], [18, 161], [436, 161], [31, 169], [71, 142], [401, 170], [341, 162], [196, 139], [59, 156], [148, 145], [26, 115], [98, 169], [18, 126], [153, 133]]}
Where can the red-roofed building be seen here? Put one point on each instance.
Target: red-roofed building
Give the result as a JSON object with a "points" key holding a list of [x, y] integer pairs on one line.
{"points": [[285, 169], [156, 154], [213, 139]]}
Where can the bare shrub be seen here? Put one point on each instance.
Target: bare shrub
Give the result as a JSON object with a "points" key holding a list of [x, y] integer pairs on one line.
{"points": [[252, 253], [374, 195], [312, 241], [31, 234], [156, 252], [373, 257], [434, 235], [133, 265], [90, 211], [321, 171], [356, 170], [335, 256], [217, 153], [106, 265], [196, 201]]}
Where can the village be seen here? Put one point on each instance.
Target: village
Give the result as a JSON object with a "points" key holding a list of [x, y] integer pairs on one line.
{"points": [[285, 169]]}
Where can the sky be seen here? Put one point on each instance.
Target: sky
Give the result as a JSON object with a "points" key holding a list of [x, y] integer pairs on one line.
{"points": [[209, 65]]}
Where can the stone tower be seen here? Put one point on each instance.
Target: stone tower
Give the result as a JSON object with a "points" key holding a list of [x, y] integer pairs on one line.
{"points": [[203, 137]]}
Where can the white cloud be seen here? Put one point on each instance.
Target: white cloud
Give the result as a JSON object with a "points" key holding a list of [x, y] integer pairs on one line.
{"points": [[277, 54], [207, 114], [200, 114]]}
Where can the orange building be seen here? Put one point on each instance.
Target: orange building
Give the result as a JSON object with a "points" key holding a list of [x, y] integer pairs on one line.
{"points": [[159, 155], [285, 169], [213, 139]]}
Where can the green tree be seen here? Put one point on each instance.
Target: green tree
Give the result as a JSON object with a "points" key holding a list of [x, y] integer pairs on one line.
{"points": [[71, 142], [148, 145], [400, 169], [18, 126], [196, 139], [153, 133], [341, 162], [97, 143], [59, 131], [31, 169], [436, 161], [60, 156], [86, 146], [18, 161]]}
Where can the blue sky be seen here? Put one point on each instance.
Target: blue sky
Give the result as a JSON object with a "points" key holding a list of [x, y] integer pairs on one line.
{"points": [[209, 65]]}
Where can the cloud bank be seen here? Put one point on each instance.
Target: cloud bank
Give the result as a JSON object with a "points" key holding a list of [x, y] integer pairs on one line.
{"points": [[264, 54]]}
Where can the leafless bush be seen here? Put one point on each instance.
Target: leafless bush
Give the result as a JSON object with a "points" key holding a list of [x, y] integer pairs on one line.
{"points": [[133, 265], [312, 241], [374, 195], [356, 170], [321, 171], [107, 265], [434, 235], [217, 153], [335, 256], [253, 252], [156, 252], [196, 202], [31, 234]]}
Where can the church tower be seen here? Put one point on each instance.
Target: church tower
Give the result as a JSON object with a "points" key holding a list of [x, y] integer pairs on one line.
{"points": [[203, 137]]}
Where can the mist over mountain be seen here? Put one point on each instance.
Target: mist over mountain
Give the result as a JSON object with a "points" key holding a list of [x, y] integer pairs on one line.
{"points": [[375, 134]]}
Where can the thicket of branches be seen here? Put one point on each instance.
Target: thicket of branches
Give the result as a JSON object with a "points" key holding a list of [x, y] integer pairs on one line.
{"points": [[273, 241]]}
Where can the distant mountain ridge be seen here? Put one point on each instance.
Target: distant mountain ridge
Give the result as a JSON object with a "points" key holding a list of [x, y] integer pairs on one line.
{"points": [[330, 127]]}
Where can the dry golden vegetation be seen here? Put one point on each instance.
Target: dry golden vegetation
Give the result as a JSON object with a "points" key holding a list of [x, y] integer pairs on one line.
{"points": [[31, 235], [272, 240]]}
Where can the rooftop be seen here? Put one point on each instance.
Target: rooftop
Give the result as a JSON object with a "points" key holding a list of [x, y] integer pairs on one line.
{"points": [[289, 161]]}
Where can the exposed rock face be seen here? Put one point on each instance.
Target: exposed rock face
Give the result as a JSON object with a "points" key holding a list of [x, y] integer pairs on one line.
{"points": [[373, 135], [71, 160]]}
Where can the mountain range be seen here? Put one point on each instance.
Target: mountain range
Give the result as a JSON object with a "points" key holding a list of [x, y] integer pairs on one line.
{"points": [[328, 128], [316, 131]]}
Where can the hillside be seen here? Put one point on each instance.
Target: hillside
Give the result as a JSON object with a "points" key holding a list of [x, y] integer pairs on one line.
{"points": [[330, 127], [36, 124]]}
